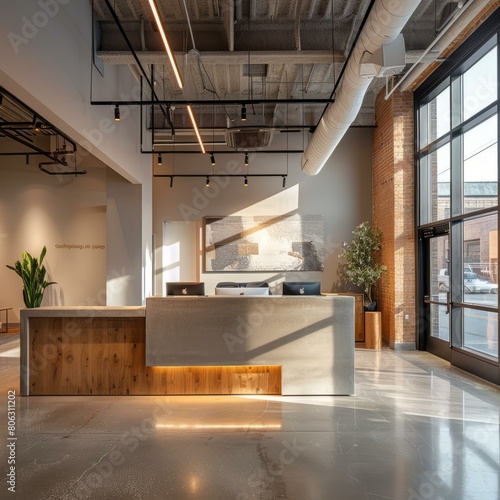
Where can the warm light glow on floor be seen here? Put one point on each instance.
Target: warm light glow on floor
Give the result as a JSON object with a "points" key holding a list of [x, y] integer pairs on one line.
{"points": [[217, 426]]}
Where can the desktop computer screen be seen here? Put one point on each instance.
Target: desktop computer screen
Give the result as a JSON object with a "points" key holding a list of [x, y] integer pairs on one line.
{"points": [[301, 288], [186, 288]]}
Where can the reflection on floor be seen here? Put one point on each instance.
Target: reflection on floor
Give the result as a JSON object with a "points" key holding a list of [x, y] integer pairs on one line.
{"points": [[416, 429]]}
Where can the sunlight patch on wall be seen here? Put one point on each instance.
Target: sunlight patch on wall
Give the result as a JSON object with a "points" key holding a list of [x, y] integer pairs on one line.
{"points": [[284, 202]]}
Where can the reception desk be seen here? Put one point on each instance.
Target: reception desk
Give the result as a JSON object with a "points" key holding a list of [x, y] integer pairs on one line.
{"points": [[311, 337], [191, 345]]}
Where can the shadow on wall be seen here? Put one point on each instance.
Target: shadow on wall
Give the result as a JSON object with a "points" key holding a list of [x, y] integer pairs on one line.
{"points": [[54, 296], [341, 284]]}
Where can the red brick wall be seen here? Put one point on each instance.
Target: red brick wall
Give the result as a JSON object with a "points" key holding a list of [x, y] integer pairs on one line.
{"points": [[393, 213]]}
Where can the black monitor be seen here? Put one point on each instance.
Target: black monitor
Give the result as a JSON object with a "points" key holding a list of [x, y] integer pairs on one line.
{"points": [[301, 288], [184, 288]]}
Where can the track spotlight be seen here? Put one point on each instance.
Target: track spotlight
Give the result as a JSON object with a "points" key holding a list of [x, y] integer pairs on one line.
{"points": [[246, 181], [212, 159], [284, 181], [172, 181], [243, 113], [208, 181], [117, 113], [160, 160], [246, 159]]}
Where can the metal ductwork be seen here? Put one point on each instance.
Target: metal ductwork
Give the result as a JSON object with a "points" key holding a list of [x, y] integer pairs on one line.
{"points": [[249, 138], [384, 23]]}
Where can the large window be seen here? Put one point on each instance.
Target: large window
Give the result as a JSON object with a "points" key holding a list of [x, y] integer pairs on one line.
{"points": [[480, 84], [480, 162], [457, 161]]}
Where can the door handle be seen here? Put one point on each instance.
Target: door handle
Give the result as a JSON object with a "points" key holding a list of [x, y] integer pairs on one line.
{"points": [[448, 303]]}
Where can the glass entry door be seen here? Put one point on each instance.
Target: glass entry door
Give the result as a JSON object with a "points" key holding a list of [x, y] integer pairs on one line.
{"points": [[436, 291]]}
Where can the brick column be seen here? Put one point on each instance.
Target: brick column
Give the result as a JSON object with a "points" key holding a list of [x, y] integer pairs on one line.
{"points": [[393, 213]]}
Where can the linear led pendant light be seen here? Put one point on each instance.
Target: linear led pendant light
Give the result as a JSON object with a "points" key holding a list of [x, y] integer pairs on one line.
{"points": [[195, 126], [170, 54]]}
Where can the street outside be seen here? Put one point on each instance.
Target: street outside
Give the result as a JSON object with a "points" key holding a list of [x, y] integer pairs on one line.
{"points": [[480, 327]]}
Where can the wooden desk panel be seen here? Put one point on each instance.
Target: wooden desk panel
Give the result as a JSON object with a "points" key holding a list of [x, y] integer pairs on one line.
{"points": [[106, 356]]}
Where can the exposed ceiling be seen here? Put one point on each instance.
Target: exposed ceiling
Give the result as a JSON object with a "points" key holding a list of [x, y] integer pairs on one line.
{"points": [[23, 132], [288, 53], [295, 50]]}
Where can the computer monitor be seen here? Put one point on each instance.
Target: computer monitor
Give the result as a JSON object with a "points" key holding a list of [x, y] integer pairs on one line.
{"points": [[301, 288], [185, 289], [245, 291]]}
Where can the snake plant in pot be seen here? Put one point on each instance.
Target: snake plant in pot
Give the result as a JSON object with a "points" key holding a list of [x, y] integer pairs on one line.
{"points": [[361, 267], [32, 272]]}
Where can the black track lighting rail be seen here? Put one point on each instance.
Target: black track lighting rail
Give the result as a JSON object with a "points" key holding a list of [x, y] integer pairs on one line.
{"points": [[210, 176], [22, 154], [7, 129], [75, 172], [207, 102], [194, 152], [204, 176], [38, 150]]}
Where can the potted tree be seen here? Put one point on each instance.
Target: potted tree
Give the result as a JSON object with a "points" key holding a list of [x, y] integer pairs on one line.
{"points": [[361, 268], [32, 272]]}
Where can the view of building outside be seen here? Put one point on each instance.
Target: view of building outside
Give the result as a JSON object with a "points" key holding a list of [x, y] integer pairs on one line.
{"points": [[458, 169]]}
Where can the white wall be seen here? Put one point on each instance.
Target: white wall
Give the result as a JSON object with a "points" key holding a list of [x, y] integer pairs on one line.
{"points": [[49, 68], [124, 249], [56, 211], [45, 60], [341, 192]]}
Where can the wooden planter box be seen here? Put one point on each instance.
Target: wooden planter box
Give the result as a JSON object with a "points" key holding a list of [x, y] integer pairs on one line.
{"points": [[373, 330]]}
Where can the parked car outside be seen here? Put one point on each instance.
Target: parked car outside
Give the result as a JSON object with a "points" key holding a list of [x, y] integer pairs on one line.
{"points": [[472, 283], [443, 280]]}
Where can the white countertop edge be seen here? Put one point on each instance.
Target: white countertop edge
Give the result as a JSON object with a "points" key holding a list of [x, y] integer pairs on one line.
{"points": [[85, 311]]}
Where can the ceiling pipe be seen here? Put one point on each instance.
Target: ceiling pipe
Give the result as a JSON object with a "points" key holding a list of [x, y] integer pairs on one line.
{"points": [[385, 22], [298, 19], [460, 19]]}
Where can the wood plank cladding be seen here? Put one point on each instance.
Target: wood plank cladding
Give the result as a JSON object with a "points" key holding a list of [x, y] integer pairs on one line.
{"points": [[106, 356]]}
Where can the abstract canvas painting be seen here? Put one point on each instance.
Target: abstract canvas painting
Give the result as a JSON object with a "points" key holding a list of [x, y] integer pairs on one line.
{"points": [[264, 243]]}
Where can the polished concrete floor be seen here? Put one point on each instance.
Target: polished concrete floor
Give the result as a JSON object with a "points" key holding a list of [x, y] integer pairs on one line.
{"points": [[416, 429]]}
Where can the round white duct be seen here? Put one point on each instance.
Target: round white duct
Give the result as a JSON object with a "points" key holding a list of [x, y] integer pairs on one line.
{"points": [[385, 22]]}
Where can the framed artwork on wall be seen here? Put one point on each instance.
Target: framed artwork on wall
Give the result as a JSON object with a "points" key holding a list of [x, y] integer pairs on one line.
{"points": [[263, 243]]}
